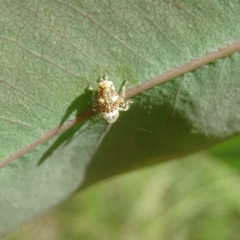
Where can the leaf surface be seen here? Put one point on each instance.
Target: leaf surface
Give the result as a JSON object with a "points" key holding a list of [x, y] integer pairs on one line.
{"points": [[51, 51]]}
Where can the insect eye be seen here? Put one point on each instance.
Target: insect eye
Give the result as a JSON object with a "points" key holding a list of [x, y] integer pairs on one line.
{"points": [[101, 79]]}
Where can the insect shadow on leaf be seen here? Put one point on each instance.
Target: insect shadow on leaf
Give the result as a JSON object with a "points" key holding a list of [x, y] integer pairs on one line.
{"points": [[78, 106]]}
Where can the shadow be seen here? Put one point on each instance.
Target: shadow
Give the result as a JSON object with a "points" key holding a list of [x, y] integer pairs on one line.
{"points": [[78, 106]]}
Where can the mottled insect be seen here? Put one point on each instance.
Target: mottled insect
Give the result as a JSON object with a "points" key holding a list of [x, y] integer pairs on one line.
{"points": [[109, 102]]}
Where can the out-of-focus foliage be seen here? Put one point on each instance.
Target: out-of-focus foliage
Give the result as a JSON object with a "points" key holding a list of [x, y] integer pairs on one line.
{"points": [[196, 198]]}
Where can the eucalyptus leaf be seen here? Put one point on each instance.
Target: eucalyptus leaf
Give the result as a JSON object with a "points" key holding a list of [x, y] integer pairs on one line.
{"points": [[51, 51]]}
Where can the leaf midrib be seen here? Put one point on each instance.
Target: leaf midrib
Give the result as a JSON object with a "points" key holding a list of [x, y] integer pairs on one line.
{"points": [[188, 67], [167, 76]]}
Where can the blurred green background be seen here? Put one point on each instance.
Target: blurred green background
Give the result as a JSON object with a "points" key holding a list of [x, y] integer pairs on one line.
{"points": [[196, 197]]}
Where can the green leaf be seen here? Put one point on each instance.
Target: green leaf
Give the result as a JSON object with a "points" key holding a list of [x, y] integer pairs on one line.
{"points": [[228, 152], [52, 50]]}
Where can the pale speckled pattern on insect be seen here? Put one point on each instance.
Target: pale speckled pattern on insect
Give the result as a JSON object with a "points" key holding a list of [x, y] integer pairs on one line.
{"points": [[109, 101]]}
